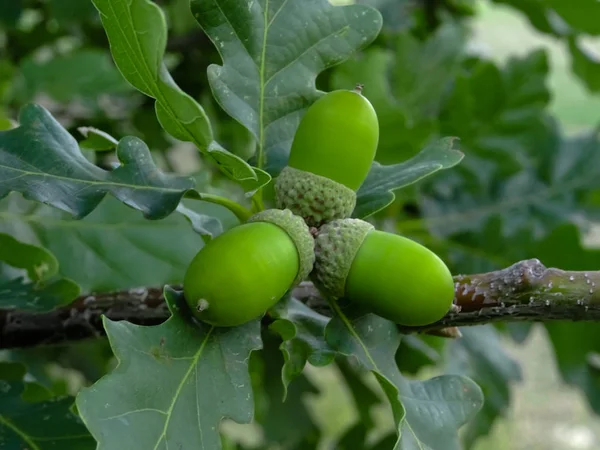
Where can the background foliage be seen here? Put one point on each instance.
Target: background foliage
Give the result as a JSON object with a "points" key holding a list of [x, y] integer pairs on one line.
{"points": [[126, 153]]}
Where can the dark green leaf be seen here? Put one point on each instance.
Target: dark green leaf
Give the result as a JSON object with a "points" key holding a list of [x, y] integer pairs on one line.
{"points": [[39, 263], [84, 74], [71, 11], [401, 135], [44, 425], [272, 52], [206, 226], [538, 14], [363, 395], [10, 12], [499, 114], [377, 191], [418, 351], [285, 422], [112, 248], [579, 14], [427, 413], [137, 33], [63, 178], [37, 297], [585, 64], [355, 437], [302, 331], [174, 384], [97, 139], [479, 355], [45, 290]]}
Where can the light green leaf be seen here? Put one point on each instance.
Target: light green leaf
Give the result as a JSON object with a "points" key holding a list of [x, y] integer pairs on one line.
{"points": [[173, 385], [272, 52], [377, 191], [137, 33]]}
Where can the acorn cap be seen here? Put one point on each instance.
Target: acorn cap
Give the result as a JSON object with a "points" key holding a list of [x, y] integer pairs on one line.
{"points": [[298, 231], [336, 246], [315, 198]]}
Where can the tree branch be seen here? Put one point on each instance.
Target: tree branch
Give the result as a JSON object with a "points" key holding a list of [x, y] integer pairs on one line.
{"points": [[525, 291]]}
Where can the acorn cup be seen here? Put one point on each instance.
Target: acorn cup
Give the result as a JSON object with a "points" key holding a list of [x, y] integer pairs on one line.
{"points": [[243, 272], [331, 155], [386, 274]]}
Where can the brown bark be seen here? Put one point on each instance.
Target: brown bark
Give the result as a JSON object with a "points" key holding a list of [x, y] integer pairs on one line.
{"points": [[525, 291]]}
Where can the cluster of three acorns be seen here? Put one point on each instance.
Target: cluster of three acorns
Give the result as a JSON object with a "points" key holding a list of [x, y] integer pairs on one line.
{"points": [[242, 273]]}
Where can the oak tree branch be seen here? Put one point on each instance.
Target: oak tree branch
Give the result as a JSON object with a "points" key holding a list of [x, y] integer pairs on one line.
{"points": [[525, 291]]}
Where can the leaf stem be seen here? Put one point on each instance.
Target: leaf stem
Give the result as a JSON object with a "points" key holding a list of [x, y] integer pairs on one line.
{"points": [[242, 213], [257, 202]]}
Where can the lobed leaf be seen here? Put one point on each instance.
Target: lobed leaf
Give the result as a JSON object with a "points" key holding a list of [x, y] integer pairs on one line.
{"points": [[302, 331], [42, 160], [37, 425], [427, 413], [377, 191], [137, 33], [479, 355], [173, 385], [44, 290], [272, 52], [112, 248]]}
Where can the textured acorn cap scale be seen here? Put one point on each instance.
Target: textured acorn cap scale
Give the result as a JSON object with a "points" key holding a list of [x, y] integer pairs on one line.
{"points": [[336, 245], [298, 231], [315, 198]]}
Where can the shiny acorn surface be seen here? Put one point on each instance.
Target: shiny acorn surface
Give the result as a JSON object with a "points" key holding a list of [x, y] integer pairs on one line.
{"points": [[400, 280], [240, 274], [337, 138]]}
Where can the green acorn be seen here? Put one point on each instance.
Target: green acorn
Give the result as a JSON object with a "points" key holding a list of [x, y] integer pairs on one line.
{"points": [[387, 274], [331, 155], [243, 272]]}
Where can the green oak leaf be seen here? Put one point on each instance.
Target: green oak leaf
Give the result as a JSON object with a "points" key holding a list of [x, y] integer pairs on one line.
{"points": [[114, 247], [303, 334], [96, 139], [37, 261], [42, 160], [585, 64], [272, 52], [288, 422], [68, 77], [579, 14], [44, 290], [364, 397], [37, 297], [137, 32], [479, 355], [173, 384], [10, 13], [377, 191], [206, 226], [48, 424], [427, 413]]}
